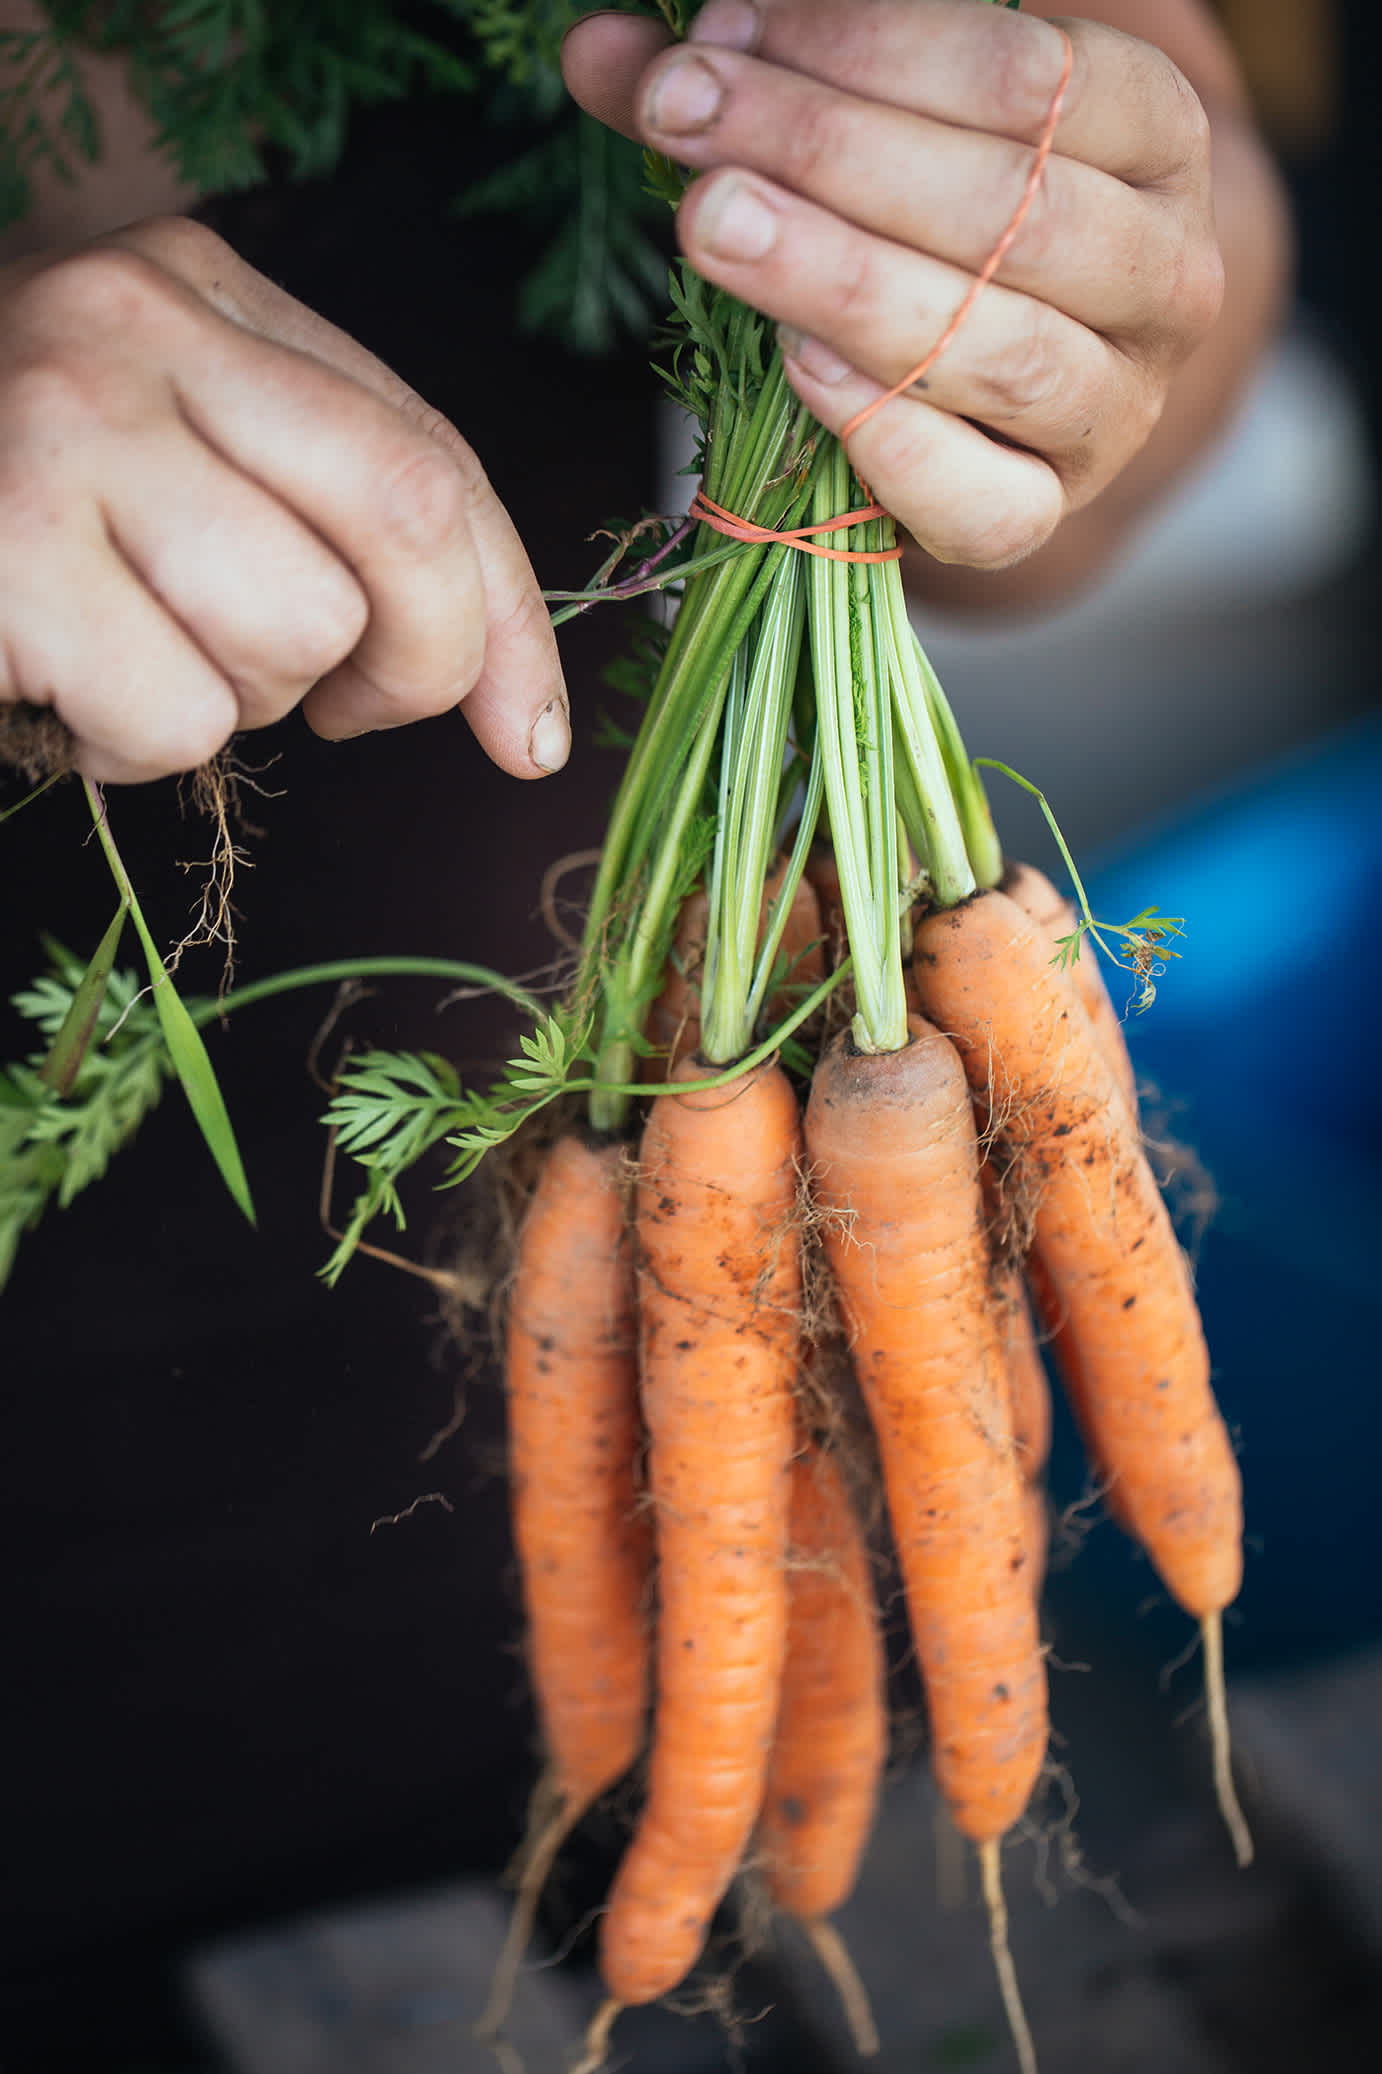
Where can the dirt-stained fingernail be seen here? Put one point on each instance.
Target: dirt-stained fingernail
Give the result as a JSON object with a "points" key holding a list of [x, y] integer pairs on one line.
{"points": [[733, 24], [685, 97], [549, 738], [811, 356]]}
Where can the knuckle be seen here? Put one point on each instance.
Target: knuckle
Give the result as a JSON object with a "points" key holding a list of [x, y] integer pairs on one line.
{"points": [[1023, 378], [58, 402], [1025, 69], [321, 624], [809, 139], [423, 502], [1009, 533], [1187, 131], [186, 732], [104, 289], [1198, 293], [854, 296], [180, 245]]}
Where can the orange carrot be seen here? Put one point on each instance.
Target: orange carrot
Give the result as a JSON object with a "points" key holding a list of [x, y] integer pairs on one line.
{"points": [[674, 1020], [1055, 917], [719, 1299], [584, 1546], [895, 1167], [831, 1735], [1028, 1390], [1103, 1239], [823, 871], [574, 1438], [1105, 1252]]}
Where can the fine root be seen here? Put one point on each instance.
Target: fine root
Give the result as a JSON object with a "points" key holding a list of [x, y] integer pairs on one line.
{"points": [[839, 1968], [1216, 1699], [551, 1819], [991, 1875], [596, 2045]]}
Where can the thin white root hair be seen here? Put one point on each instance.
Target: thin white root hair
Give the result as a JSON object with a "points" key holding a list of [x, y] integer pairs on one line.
{"points": [[597, 2038], [537, 1863], [1221, 1749], [843, 1975], [990, 1873]]}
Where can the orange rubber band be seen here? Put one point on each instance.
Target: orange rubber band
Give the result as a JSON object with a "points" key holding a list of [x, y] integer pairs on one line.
{"points": [[722, 521]]}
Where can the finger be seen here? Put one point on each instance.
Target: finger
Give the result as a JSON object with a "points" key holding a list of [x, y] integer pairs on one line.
{"points": [[138, 694], [260, 594], [1127, 109], [393, 488], [1094, 247], [603, 57], [523, 737], [962, 496], [1016, 365]]}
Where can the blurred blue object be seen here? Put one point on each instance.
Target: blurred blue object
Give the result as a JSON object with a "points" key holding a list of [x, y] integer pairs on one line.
{"points": [[1262, 1048]]}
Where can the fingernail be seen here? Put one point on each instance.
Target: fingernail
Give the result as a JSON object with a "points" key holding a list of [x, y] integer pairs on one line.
{"points": [[734, 224], [733, 24], [549, 738], [811, 356], [685, 97]]}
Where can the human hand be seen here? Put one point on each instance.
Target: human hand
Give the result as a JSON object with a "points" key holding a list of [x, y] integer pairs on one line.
{"points": [[861, 159], [215, 506]]}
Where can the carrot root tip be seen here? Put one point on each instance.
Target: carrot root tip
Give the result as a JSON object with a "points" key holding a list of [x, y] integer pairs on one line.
{"points": [[537, 1857], [1221, 1748], [596, 2044], [991, 1875], [843, 1975]]}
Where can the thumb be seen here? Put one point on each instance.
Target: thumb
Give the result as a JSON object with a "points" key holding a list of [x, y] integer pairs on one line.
{"points": [[603, 58]]}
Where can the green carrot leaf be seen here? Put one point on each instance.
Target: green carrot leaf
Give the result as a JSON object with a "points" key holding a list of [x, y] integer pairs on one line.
{"points": [[191, 1061], [69, 1047]]}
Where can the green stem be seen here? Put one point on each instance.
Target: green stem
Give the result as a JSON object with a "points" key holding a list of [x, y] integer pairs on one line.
{"points": [[966, 786], [925, 796], [776, 922], [755, 739], [339, 969], [847, 708]]}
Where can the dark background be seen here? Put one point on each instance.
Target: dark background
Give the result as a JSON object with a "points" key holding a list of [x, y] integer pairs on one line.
{"points": [[227, 1697]]}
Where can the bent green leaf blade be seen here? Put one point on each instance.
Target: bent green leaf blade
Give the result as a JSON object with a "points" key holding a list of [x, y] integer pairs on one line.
{"points": [[191, 1061], [68, 1048]]}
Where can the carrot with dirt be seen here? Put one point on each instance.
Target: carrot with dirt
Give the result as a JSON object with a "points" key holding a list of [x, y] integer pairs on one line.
{"points": [[1029, 1392], [1105, 1247], [894, 1166], [894, 1162], [831, 1737], [719, 1307], [1056, 918], [582, 1537]]}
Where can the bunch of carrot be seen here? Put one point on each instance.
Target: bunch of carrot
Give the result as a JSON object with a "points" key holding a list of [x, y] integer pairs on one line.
{"points": [[860, 1133], [855, 1111]]}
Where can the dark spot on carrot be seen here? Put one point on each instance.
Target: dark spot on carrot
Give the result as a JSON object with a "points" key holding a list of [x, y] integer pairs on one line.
{"points": [[1128, 1302], [793, 1809], [1000, 1691], [547, 1341]]}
